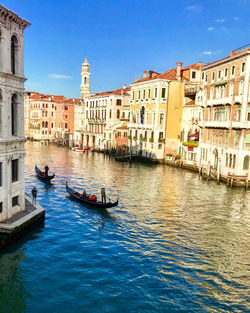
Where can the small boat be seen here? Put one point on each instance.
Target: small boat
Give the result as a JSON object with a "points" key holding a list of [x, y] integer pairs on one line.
{"points": [[123, 158], [96, 204], [77, 149], [42, 175], [87, 149]]}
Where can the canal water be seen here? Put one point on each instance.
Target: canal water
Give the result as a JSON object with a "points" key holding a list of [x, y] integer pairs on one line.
{"points": [[175, 243]]}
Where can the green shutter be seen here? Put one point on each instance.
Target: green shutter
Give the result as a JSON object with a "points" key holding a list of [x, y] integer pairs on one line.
{"points": [[247, 138]]}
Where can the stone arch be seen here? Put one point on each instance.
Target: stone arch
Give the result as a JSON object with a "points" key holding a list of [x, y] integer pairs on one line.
{"points": [[14, 51], [14, 115]]}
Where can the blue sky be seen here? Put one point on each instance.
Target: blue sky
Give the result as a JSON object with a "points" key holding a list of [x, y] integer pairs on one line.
{"points": [[123, 38]]}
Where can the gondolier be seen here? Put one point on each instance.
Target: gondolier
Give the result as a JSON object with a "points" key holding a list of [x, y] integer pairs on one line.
{"points": [[103, 194]]}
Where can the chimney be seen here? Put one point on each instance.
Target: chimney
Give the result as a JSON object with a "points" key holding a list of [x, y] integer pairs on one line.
{"points": [[154, 75], [145, 74], [124, 86], [178, 70], [137, 78]]}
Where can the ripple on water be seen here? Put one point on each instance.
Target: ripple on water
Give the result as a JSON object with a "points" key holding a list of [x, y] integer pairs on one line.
{"points": [[174, 243]]}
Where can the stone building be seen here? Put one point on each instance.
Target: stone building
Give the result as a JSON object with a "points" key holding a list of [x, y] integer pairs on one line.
{"points": [[225, 130], [156, 110], [12, 194], [49, 117], [104, 113]]}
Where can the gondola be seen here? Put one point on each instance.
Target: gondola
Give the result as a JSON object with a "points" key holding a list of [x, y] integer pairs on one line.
{"points": [[41, 175], [96, 204], [123, 158]]}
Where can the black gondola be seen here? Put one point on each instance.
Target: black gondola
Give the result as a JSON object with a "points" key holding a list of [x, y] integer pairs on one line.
{"points": [[42, 175], [96, 204]]}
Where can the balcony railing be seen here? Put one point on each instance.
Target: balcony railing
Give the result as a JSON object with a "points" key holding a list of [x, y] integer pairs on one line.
{"points": [[144, 138], [238, 124], [161, 140], [151, 139], [217, 124]]}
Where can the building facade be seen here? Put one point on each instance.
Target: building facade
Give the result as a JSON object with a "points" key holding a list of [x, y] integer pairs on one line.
{"points": [[104, 113], [156, 111], [225, 130], [49, 117], [12, 193]]}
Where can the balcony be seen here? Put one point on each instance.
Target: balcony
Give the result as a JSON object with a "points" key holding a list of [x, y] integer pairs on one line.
{"points": [[151, 139], [240, 125], [135, 138], [100, 121], [220, 101], [217, 124], [144, 139], [161, 140], [238, 99]]}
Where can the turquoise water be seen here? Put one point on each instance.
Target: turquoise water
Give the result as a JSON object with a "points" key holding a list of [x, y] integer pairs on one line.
{"points": [[174, 243]]}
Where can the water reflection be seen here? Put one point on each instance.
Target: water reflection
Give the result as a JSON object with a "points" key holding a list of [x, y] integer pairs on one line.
{"points": [[174, 243]]}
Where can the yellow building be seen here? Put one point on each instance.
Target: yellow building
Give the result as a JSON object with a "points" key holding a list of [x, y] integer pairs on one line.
{"points": [[156, 111]]}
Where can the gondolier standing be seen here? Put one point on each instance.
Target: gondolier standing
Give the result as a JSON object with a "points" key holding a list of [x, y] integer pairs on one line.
{"points": [[103, 193], [46, 170]]}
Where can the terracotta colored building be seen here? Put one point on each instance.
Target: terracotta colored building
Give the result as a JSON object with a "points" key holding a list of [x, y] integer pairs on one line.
{"points": [[49, 117]]}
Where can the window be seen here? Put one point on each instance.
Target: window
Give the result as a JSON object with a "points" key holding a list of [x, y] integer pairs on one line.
{"points": [[219, 74], [144, 94], [155, 92], [119, 134], [125, 135], [248, 114], [241, 87], [14, 170], [66, 125], [193, 74], [236, 139], [15, 201], [203, 75], [246, 163], [161, 118], [234, 160], [118, 114], [226, 72], [110, 113], [118, 102], [139, 95], [148, 93], [1, 207], [213, 76], [133, 97], [14, 54], [163, 92], [231, 89], [242, 67], [226, 159], [205, 78], [14, 120], [233, 70]]}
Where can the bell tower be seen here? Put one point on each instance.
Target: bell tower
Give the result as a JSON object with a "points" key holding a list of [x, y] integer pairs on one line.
{"points": [[85, 88]]}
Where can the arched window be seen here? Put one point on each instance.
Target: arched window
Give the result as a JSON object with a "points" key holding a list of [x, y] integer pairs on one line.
{"points": [[14, 114], [230, 160], [234, 160], [42, 124], [46, 124], [118, 114], [14, 54], [246, 163]]}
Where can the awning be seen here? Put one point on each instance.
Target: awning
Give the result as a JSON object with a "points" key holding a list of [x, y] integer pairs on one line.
{"points": [[222, 84], [196, 135]]}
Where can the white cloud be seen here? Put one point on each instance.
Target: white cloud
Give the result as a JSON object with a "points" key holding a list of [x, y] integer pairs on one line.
{"points": [[235, 18], [207, 52], [210, 28], [194, 8], [59, 76], [220, 20]]}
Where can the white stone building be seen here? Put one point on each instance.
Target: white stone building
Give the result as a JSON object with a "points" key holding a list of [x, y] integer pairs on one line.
{"points": [[224, 147], [12, 194]]}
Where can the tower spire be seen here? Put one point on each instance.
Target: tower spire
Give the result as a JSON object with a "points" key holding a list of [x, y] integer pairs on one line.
{"points": [[85, 88]]}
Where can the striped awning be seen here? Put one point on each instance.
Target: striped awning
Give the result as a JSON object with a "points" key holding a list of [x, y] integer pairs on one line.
{"points": [[222, 84]]}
